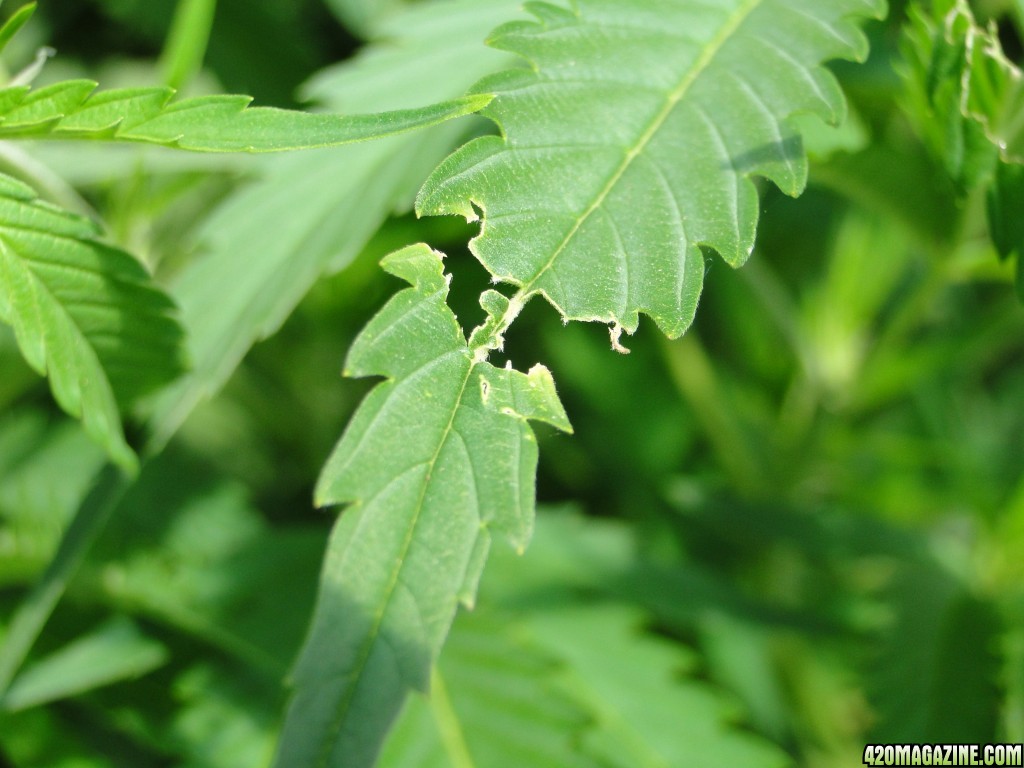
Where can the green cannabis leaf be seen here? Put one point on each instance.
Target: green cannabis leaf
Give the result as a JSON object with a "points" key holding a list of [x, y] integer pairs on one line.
{"points": [[630, 143], [222, 123], [366, 17], [568, 677], [84, 313], [993, 89], [963, 83], [494, 700], [436, 458], [936, 66], [115, 651], [831, 481], [645, 715], [940, 648]]}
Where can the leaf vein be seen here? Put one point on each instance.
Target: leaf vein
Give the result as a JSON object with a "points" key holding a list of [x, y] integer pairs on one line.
{"points": [[732, 23]]}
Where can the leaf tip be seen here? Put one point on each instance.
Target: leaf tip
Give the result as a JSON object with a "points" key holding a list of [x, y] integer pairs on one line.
{"points": [[419, 265], [475, 102], [550, 407]]}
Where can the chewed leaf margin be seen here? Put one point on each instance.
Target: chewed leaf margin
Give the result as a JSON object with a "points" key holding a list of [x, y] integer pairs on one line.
{"points": [[562, 181], [437, 458]]}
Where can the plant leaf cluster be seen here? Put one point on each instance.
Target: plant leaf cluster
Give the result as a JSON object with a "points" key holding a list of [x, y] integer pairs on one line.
{"points": [[794, 530]]}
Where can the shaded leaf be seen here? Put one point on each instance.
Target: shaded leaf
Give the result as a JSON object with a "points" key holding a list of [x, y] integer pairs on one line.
{"points": [[86, 314], [935, 677], [460, 463], [1005, 208], [658, 111], [493, 701], [33, 509], [191, 552]]}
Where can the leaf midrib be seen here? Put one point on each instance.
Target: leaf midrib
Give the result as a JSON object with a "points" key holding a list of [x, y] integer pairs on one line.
{"points": [[689, 77], [367, 646]]}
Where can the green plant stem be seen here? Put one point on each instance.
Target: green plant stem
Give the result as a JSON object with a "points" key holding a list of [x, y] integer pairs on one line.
{"points": [[185, 48], [19, 163], [694, 376], [448, 723], [35, 611]]}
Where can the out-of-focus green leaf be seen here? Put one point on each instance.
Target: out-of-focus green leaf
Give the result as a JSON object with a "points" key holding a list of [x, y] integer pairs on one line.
{"points": [[838, 312], [70, 110], [936, 676], [963, 88], [896, 183], [364, 17], [659, 112], [33, 509], [223, 721], [822, 140], [14, 23], [645, 714], [183, 52], [40, 737], [1006, 216], [413, 543], [937, 50], [192, 553], [114, 652], [37, 606], [492, 701], [16, 377], [84, 313]]}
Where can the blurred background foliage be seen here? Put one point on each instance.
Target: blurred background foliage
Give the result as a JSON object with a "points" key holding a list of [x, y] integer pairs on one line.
{"points": [[797, 529]]}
